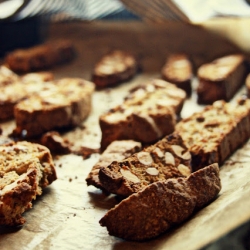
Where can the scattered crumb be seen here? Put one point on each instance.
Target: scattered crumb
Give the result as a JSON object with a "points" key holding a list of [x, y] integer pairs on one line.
{"points": [[86, 152]]}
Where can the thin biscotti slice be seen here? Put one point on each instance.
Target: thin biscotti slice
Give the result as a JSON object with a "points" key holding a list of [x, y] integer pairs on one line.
{"points": [[162, 205], [115, 67], [178, 70], [213, 134], [220, 79], [168, 158], [40, 57], [25, 170], [116, 151], [64, 104], [147, 114]]}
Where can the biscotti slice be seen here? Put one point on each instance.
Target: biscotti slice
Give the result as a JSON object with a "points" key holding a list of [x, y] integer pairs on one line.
{"points": [[147, 114], [168, 158], [116, 151], [25, 170], [220, 79], [178, 70], [115, 67], [7, 76], [213, 134], [40, 57], [162, 205], [65, 104]]}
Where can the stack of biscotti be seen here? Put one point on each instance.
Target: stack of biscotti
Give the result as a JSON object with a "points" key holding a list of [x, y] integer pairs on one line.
{"points": [[116, 151], [168, 158], [148, 113], [14, 89], [115, 67], [40, 57], [61, 104], [25, 170], [220, 79], [178, 70], [162, 205], [213, 134]]}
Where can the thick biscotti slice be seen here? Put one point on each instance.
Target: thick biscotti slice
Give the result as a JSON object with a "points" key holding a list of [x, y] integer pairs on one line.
{"points": [[115, 67], [166, 159], [147, 114], [220, 79], [40, 57], [162, 205], [65, 104], [116, 151], [213, 134], [178, 70], [25, 170]]}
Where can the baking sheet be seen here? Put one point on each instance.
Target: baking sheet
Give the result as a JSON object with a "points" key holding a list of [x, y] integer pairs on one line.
{"points": [[67, 215]]}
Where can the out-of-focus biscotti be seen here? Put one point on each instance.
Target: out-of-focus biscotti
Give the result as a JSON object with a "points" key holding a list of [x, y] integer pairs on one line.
{"points": [[178, 70], [220, 79], [162, 205], [247, 84], [25, 170], [115, 67], [116, 151], [40, 57], [168, 158], [213, 134], [147, 114], [65, 103]]}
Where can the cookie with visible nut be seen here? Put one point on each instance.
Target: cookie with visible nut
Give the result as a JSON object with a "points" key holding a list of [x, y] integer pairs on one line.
{"points": [[116, 151], [168, 158], [25, 170], [115, 67], [162, 205], [148, 113]]}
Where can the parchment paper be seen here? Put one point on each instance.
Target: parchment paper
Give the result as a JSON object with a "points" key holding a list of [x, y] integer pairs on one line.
{"points": [[67, 215]]}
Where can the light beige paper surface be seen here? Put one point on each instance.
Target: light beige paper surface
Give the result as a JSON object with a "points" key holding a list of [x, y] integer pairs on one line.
{"points": [[67, 215]]}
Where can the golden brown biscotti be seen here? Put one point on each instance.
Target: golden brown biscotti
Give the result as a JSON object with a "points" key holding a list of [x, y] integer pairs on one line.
{"points": [[178, 70], [148, 113], [213, 134], [115, 67], [168, 158], [220, 79], [162, 205], [40, 57], [25, 170], [116, 151], [64, 104]]}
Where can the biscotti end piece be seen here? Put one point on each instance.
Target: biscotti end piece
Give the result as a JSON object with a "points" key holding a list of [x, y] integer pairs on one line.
{"points": [[25, 170], [148, 113], [162, 205], [115, 67], [213, 134], [116, 151], [62, 105], [220, 79], [168, 158], [41, 56], [178, 70]]}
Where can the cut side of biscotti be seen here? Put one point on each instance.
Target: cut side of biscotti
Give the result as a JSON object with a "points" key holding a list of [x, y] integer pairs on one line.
{"points": [[40, 57], [116, 151], [168, 158], [178, 70], [62, 104], [115, 67], [25, 170], [162, 205], [148, 113], [213, 134], [220, 79]]}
